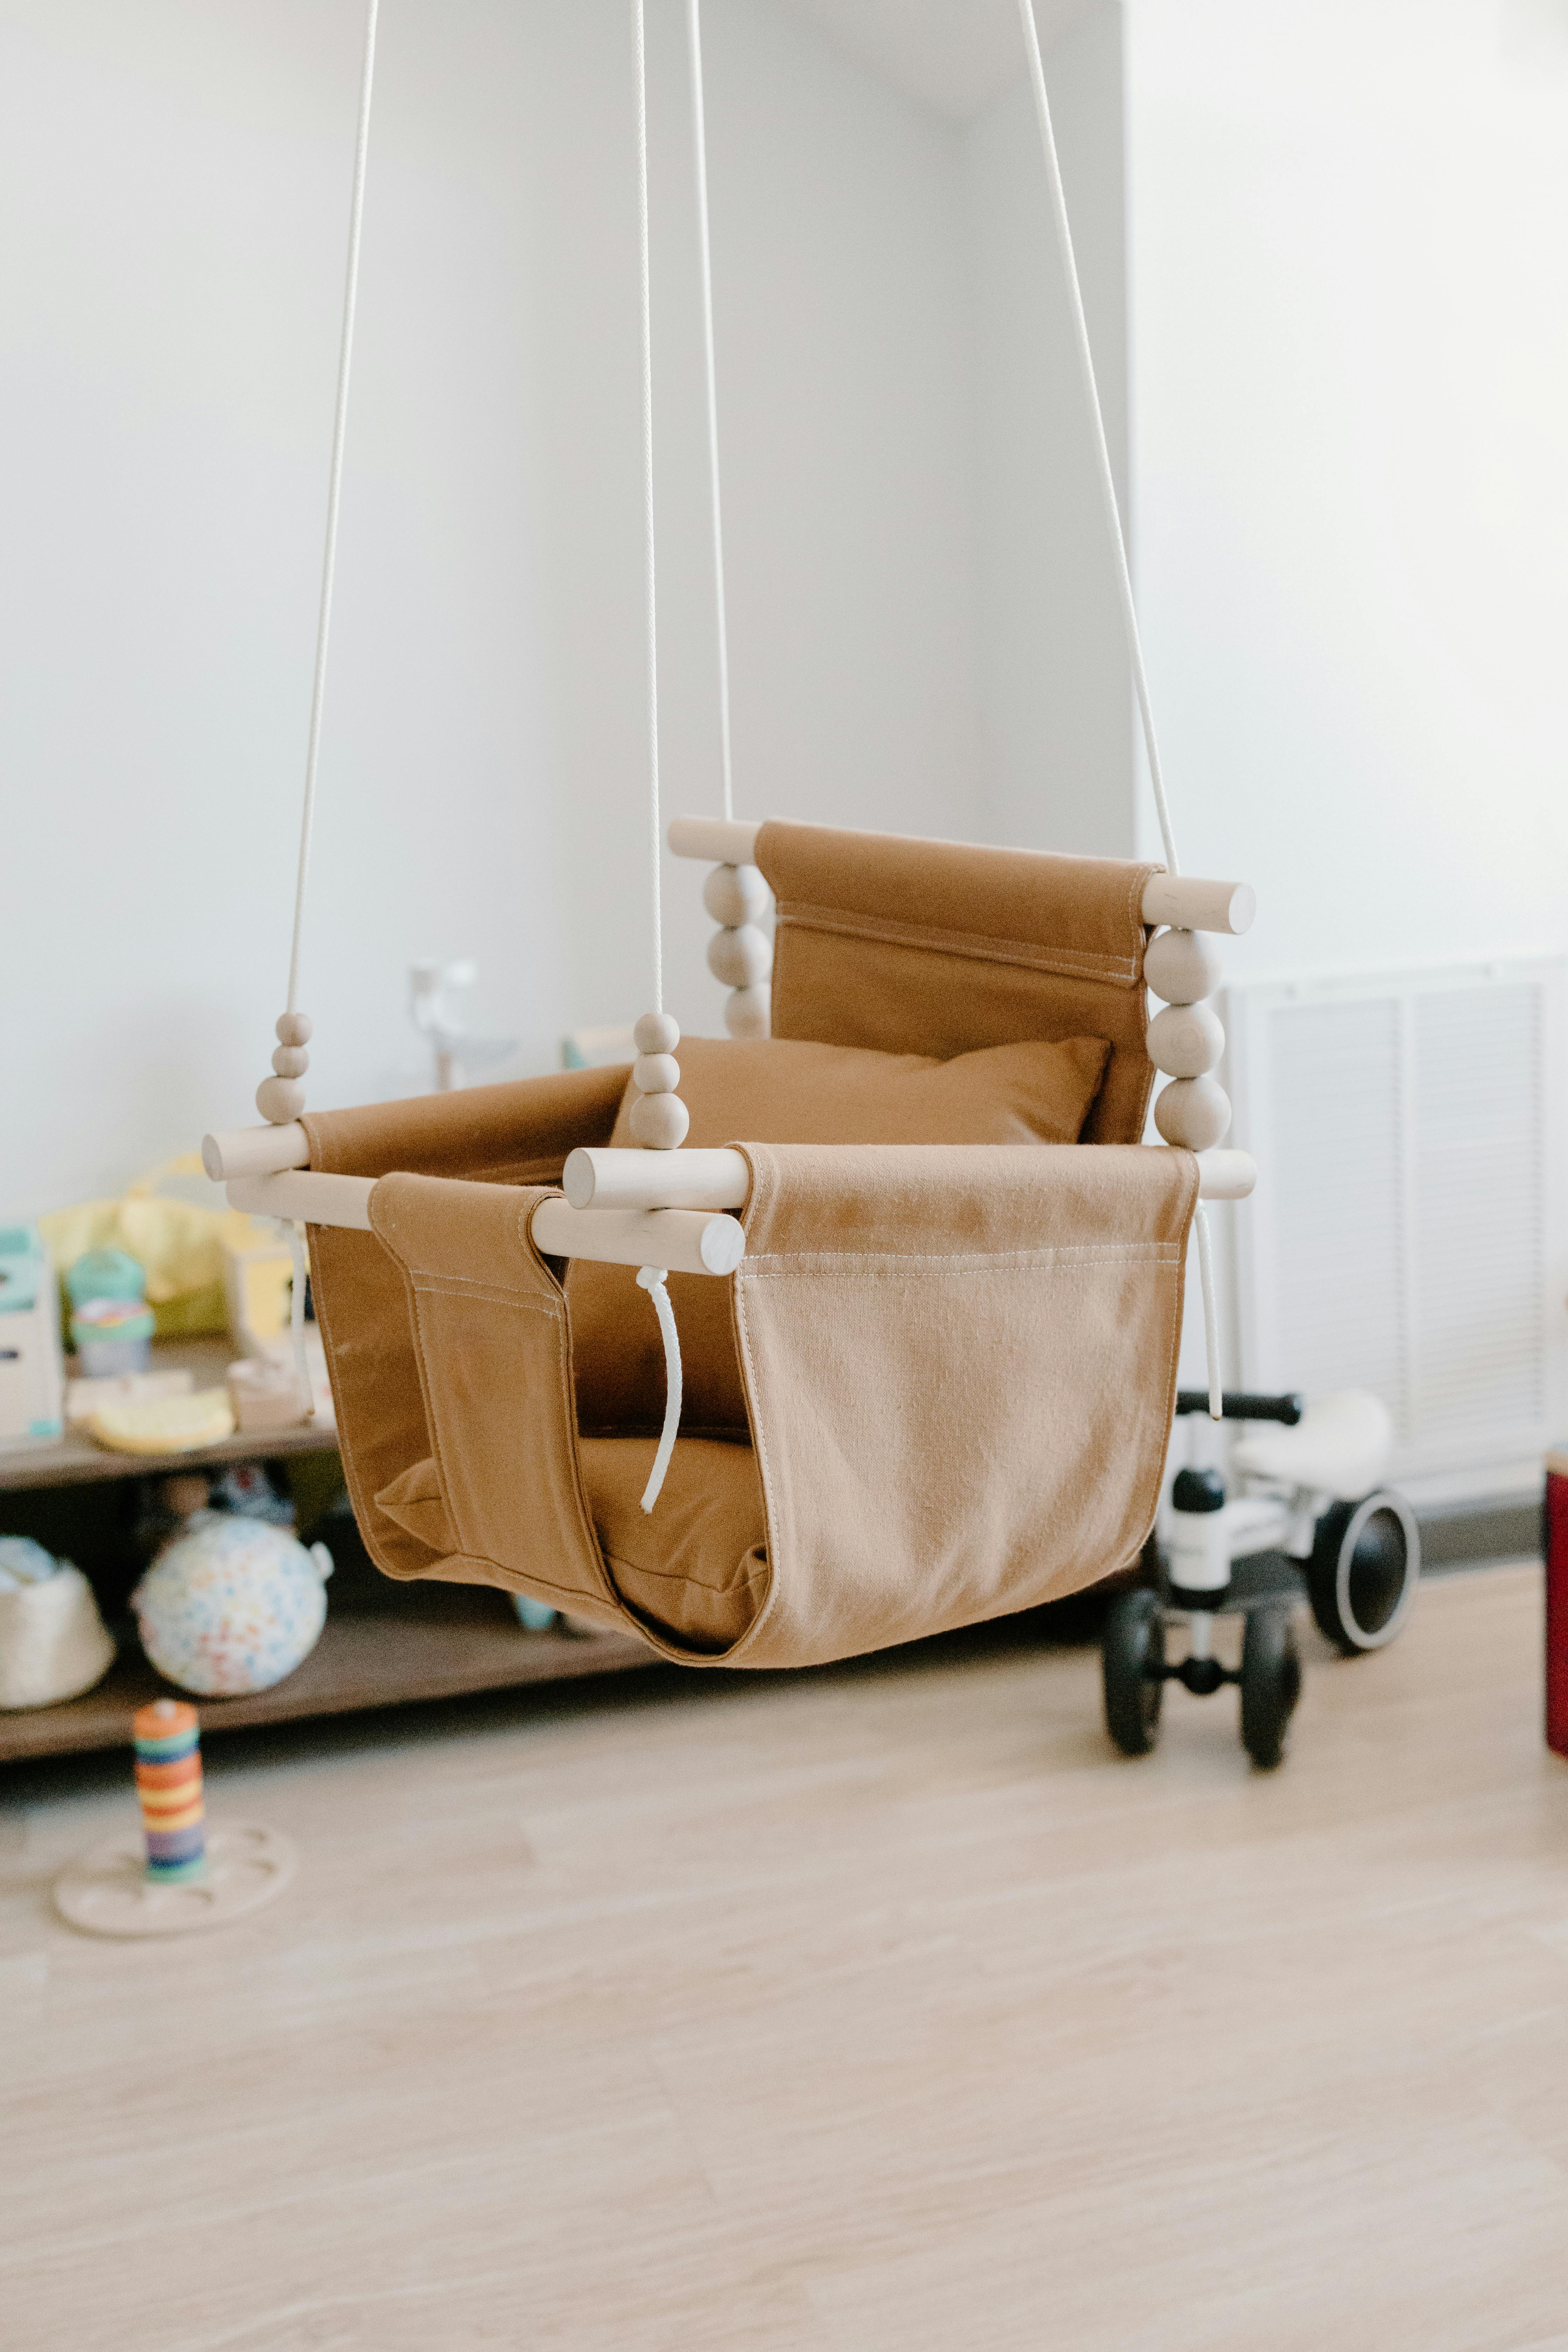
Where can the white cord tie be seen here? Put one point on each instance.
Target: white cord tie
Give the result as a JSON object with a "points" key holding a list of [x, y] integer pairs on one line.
{"points": [[652, 1279], [1211, 1313]]}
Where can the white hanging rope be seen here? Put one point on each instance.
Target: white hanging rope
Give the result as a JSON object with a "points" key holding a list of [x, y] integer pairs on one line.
{"points": [[704, 247], [1211, 1313], [1124, 588], [1096, 419], [652, 1279], [334, 492], [641, 44]]}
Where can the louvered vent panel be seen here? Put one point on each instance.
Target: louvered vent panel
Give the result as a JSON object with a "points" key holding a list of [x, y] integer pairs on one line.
{"points": [[1478, 1240], [1407, 1234], [1339, 1274]]}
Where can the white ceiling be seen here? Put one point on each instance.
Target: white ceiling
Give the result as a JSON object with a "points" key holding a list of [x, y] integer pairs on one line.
{"points": [[953, 55]]}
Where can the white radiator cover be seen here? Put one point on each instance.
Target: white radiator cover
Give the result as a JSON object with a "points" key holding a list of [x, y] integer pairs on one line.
{"points": [[1408, 1232]]}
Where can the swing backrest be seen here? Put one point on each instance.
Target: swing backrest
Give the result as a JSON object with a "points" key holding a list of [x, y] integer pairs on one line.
{"points": [[938, 947], [1019, 973]]}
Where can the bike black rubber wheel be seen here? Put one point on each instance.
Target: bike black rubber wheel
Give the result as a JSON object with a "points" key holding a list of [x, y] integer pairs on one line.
{"points": [[1132, 1643], [1270, 1684]]}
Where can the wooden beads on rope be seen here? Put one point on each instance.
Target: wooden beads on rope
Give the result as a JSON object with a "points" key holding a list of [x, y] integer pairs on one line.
{"points": [[1192, 1112], [658, 1119], [1187, 1041], [282, 1098], [1181, 966], [741, 954]]}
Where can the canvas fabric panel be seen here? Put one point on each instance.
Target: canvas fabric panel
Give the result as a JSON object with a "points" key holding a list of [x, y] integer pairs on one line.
{"points": [[791, 1090], [960, 1369], [960, 1366], [512, 1134], [494, 1357], [939, 947]]}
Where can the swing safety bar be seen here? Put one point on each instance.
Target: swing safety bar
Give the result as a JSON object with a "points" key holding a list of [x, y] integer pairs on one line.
{"points": [[623, 1208], [680, 1241], [1184, 900]]}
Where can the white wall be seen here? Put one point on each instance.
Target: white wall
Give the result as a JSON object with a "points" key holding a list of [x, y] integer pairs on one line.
{"points": [[1054, 678], [168, 330], [1348, 332], [1349, 339]]}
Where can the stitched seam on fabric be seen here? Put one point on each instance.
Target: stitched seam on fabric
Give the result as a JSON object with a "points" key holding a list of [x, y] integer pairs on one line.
{"points": [[1064, 1258], [673, 1575], [1072, 963], [491, 1294]]}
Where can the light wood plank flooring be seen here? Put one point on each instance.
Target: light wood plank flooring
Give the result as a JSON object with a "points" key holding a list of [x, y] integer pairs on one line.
{"points": [[877, 2009]]}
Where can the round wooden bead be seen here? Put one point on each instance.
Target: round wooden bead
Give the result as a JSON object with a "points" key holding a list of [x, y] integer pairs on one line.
{"points": [[1181, 966], [658, 1123], [290, 1061], [742, 957], [655, 1073], [1194, 1112], [1186, 1040], [734, 895], [279, 1099], [294, 1029], [655, 1033], [749, 1011]]}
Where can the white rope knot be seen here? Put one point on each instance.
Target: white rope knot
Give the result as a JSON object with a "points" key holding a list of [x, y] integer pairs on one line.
{"points": [[652, 1279]]}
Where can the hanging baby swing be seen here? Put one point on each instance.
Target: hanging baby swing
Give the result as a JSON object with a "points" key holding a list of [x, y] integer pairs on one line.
{"points": [[929, 1340]]}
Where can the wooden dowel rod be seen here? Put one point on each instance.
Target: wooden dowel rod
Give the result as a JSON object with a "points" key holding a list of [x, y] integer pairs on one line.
{"points": [[1191, 904], [308, 1199], [1225, 1175], [656, 1180], [682, 1241], [718, 841], [254, 1151], [1184, 900]]}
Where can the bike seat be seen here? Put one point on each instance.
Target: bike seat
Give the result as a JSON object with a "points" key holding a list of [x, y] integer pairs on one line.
{"points": [[1339, 1446]]}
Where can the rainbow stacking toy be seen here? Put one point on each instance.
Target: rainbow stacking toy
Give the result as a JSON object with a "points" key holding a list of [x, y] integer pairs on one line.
{"points": [[169, 1783]]}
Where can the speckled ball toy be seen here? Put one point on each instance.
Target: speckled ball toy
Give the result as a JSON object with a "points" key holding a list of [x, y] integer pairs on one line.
{"points": [[232, 1605]]}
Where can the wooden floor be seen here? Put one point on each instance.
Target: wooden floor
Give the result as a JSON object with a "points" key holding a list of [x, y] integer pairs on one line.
{"points": [[880, 2009]]}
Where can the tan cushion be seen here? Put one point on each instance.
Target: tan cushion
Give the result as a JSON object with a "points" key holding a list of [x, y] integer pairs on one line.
{"points": [[790, 1090], [695, 1569]]}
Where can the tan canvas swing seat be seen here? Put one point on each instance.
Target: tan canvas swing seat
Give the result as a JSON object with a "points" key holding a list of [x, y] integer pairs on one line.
{"points": [[938, 1387], [932, 1378]]}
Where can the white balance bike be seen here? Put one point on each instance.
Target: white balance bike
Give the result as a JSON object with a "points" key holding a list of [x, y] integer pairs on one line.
{"points": [[1304, 1484]]}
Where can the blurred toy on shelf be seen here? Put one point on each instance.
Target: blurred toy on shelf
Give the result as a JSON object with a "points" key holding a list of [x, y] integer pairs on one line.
{"points": [[232, 1604], [177, 1240], [112, 1324], [85, 1397], [257, 1283], [53, 1642], [170, 1424], [32, 1375]]}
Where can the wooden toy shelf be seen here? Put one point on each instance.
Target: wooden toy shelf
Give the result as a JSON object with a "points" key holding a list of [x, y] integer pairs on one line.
{"points": [[74, 1460], [383, 1643]]}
